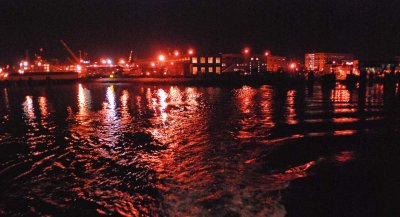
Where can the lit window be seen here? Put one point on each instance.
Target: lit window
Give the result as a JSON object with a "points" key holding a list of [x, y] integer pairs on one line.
{"points": [[210, 60], [202, 60], [210, 69], [203, 69], [194, 70], [194, 60], [218, 70], [217, 60]]}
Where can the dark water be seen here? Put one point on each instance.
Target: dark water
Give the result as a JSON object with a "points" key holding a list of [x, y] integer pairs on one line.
{"points": [[97, 149]]}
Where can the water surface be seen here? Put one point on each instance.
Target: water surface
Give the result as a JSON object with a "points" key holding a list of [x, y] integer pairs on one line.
{"points": [[129, 150]]}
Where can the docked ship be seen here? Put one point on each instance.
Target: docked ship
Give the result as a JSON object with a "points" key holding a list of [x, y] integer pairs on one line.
{"points": [[41, 70]]}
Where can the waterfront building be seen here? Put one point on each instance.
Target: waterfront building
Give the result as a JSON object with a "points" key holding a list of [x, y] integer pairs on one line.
{"points": [[341, 64], [205, 64], [276, 63], [243, 63]]}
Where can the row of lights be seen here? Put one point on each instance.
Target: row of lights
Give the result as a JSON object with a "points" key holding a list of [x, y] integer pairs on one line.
{"points": [[247, 51], [267, 53]]}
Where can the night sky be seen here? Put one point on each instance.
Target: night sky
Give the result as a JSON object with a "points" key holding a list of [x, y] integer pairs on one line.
{"points": [[369, 29]]}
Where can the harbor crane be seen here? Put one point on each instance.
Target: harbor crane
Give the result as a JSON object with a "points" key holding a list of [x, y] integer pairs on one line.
{"points": [[76, 59]]}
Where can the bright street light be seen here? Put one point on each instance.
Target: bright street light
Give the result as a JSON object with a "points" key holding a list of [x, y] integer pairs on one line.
{"points": [[161, 58]]}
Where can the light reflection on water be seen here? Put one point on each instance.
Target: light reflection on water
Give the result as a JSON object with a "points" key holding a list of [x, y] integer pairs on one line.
{"points": [[167, 150]]}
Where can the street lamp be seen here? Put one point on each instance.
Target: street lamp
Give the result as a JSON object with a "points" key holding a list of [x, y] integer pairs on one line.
{"points": [[161, 58]]}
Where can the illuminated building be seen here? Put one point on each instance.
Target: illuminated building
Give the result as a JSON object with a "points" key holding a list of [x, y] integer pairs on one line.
{"points": [[324, 63], [245, 63], [231, 61], [276, 63], [205, 64], [318, 61]]}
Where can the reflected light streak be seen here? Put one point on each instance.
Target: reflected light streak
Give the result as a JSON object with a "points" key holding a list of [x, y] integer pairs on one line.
{"points": [[291, 114], [111, 97], [149, 99], [6, 100], [43, 111], [29, 111], [344, 120], [340, 94], [81, 96], [344, 132], [175, 95], [111, 122], [124, 99], [110, 105], [162, 96], [28, 108], [245, 98], [344, 156], [43, 107], [192, 96], [342, 99], [266, 95], [84, 100], [300, 171], [139, 104], [124, 103]]}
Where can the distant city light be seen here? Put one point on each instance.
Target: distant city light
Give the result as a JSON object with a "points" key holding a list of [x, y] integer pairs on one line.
{"points": [[78, 68], [176, 53], [103, 61], [122, 61], [246, 50], [153, 64], [266, 53], [293, 65], [191, 52], [109, 62], [161, 58]]}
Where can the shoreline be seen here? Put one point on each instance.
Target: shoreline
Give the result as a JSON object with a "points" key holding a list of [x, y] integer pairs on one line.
{"points": [[201, 81]]}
